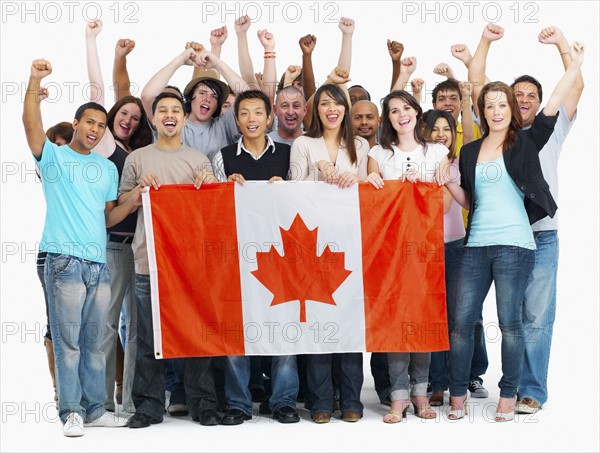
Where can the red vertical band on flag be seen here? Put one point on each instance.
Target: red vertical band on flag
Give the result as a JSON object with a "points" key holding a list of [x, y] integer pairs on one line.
{"points": [[402, 228], [195, 238]]}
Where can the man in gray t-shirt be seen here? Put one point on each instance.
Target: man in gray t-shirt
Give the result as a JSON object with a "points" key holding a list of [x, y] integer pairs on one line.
{"points": [[168, 161], [540, 296], [290, 110]]}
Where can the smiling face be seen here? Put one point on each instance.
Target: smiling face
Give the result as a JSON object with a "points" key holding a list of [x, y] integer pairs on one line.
{"points": [[529, 101], [126, 121], [204, 103], [365, 119], [497, 111], [402, 117], [88, 130], [290, 110], [169, 117], [448, 101], [252, 118], [442, 132], [331, 112]]}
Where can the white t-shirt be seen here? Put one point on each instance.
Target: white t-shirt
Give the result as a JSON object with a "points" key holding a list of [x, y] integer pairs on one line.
{"points": [[549, 159], [392, 165]]}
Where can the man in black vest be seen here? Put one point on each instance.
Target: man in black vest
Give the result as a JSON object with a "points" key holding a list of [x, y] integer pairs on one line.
{"points": [[256, 157]]}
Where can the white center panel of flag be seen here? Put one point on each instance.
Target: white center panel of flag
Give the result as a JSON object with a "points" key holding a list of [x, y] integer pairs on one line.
{"points": [[273, 325]]}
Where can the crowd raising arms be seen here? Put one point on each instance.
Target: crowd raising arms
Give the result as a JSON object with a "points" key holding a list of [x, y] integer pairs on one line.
{"points": [[333, 151]]}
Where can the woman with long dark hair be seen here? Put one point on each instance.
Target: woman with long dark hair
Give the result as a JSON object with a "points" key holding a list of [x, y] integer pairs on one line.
{"points": [[127, 129], [329, 152], [405, 154]]}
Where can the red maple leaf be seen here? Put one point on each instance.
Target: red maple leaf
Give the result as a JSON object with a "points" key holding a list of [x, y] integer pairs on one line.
{"points": [[300, 274]]}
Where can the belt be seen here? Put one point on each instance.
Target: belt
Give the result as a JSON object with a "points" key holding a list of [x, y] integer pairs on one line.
{"points": [[120, 239]]}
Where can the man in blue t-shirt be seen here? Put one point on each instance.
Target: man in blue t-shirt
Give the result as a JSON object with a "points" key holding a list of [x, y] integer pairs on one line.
{"points": [[80, 188]]}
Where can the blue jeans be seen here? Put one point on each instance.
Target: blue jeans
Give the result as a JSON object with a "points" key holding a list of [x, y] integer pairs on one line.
{"points": [[509, 268], [381, 375], [538, 317], [284, 382], [438, 368], [119, 258], [320, 381], [78, 298], [148, 391]]}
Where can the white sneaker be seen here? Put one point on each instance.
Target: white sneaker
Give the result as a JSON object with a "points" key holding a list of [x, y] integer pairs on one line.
{"points": [[107, 420], [73, 427]]}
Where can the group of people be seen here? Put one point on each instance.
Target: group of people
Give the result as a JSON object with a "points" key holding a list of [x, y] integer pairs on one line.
{"points": [[485, 142]]}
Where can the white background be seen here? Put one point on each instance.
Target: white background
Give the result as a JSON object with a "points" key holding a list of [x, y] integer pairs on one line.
{"points": [[55, 31]]}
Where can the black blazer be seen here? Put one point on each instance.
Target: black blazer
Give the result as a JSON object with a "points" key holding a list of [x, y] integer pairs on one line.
{"points": [[523, 164]]}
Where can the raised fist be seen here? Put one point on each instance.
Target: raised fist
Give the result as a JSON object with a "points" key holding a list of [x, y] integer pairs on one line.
{"points": [[395, 50], [346, 25], [93, 28], [461, 52], [408, 65], [307, 44], [40, 68], [124, 47], [218, 36], [242, 24], [550, 35], [267, 40], [493, 32]]}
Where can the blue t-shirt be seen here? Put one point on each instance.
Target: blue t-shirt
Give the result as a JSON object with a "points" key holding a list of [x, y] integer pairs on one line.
{"points": [[77, 188], [499, 217]]}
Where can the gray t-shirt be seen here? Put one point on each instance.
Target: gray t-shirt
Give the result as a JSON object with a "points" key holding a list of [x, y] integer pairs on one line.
{"points": [[209, 138], [277, 138], [549, 159], [171, 167]]}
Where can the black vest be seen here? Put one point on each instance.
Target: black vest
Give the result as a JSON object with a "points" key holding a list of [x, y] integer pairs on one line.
{"points": [[270, 163]]}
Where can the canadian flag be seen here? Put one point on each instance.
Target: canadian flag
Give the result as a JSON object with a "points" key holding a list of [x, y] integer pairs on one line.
{"points": [[294, 268]]}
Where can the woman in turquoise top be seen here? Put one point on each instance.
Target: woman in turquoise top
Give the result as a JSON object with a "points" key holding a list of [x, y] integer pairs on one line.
{"points": [[503, 187]]}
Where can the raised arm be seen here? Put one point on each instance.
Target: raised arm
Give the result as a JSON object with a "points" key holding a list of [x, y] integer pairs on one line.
{"points": [[92, 30], [444, 70], [307, 44], [160, 80], [121, 82], [218, 36], [466, 112], [242, 25], [407, 67], [565, 84], [461, 52], [345, 59], [395, 50], [491, 32], [269, 79], [209, 61], [32, 113], [290, 75], [417, 88], [106, 146], [553, 35]]}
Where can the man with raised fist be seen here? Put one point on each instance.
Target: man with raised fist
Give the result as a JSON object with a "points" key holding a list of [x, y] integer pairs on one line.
{"points": [[81, 192]]}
